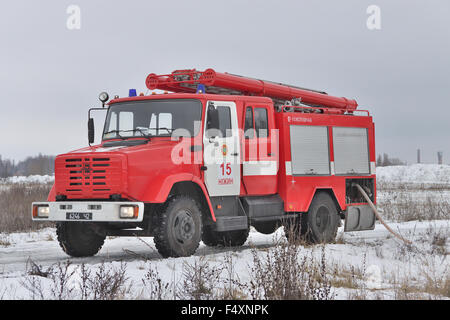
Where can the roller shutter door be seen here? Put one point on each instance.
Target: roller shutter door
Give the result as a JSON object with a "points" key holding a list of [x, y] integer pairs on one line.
{"points": [[351, 150], [310, 150]]}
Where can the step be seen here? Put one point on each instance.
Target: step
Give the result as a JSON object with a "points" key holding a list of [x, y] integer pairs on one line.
{"points": [[231, 223]]}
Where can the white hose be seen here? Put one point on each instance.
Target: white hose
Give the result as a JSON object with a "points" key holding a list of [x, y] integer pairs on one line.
{"points": [[364, 194]]}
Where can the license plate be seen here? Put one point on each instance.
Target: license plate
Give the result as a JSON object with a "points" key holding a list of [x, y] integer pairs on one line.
{"points": [[78, 215]]}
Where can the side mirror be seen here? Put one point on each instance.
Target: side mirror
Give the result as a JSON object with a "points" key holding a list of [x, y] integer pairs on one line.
{"points": [[91, 131]]}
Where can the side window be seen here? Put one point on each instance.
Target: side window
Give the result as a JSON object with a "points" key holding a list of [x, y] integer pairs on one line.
{"points": [[112, 126], [113, 122], [261, 122], [224, 121], [249, 129]]}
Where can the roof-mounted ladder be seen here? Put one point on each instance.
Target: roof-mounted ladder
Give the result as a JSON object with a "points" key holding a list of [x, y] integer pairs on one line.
{"points": [[224, 83]]}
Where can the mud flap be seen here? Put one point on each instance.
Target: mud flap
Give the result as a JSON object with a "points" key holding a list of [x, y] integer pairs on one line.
{"points": [[359, 218]]}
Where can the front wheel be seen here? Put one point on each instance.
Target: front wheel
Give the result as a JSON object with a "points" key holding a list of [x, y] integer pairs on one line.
{"points": [[179, 228], [79, 239]]}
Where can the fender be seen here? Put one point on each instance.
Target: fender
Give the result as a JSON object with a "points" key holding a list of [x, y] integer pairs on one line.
{"points": [[197, 181], [52, 194], [158, 193], [317, 189]]}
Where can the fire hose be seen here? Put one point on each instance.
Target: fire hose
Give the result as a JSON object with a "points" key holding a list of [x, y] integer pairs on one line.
{"points": [[375, 211]]}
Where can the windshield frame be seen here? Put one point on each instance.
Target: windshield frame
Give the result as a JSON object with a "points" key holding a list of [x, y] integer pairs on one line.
{"points": [[148, 136]]}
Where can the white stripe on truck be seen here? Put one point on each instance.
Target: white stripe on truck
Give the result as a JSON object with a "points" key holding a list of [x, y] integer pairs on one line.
{"points": [[260, 168]]}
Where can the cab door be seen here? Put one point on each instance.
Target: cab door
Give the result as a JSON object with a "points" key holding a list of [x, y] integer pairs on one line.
{"points": [[221, 149]]}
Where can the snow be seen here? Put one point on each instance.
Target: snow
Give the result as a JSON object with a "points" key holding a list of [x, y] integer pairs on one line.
{"points": [[382, 256], [33, 179], [416, 173]]}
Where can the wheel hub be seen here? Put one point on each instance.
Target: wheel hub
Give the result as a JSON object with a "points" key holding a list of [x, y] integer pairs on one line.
{"points": [[322, 218], [184, 226]]}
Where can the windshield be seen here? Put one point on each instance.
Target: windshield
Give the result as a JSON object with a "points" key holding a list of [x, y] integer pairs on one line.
{"points": [[153, 118]]}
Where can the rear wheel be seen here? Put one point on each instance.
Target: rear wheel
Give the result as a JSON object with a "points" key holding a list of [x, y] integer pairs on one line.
{"points": [[210, 237], [79, 239], [267, 227], [321, 222], [179, 227], [234, 238]]}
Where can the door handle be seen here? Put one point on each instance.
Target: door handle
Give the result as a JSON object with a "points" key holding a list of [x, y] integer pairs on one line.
{"points": [[235, 154]]}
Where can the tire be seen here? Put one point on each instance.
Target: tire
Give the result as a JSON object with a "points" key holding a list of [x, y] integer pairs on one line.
{"points": [[321, 222], [78, 239], [179, 228], [210, 237], [234, 238], [267, 227]]}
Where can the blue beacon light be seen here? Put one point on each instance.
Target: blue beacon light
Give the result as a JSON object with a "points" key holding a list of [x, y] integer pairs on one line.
{"points": [[132, 93], [201, 88]]}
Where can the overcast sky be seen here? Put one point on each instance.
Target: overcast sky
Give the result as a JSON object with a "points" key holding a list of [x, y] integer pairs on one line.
{"points": [[51, 75]]}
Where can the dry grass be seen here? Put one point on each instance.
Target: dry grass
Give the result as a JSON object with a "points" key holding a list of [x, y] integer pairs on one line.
{"points": [[4, 242], [277, 273], [15, 206], [401, 206], [281, 273], [64, 281]]}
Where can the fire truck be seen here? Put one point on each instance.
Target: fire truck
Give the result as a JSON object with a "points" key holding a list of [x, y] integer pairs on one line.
{"points": [[205, 156]]}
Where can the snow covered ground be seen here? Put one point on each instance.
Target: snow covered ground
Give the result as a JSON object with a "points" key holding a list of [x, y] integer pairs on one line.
{"points": [[365, 265], [384, 260], [416, 175], [28, 180]]}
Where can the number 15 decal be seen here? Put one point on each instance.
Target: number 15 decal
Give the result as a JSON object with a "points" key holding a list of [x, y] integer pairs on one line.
{"points": [[225, 169], [224, 175]]}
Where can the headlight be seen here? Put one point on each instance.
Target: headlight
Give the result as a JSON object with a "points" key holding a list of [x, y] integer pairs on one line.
{"points": [[41, 211], [129, 212]]}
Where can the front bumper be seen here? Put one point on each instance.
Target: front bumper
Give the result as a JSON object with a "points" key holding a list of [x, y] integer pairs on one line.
{"points": [[91, 211]]}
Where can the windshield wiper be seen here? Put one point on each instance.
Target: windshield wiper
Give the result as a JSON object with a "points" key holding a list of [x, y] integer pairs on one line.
{"points": [[126, 138], [142, 132], [169, 131], [134, 130], [116, 132]]}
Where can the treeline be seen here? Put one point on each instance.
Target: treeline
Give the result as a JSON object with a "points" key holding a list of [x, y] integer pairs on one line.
{"points": [[45, 165], [384, 161], [37, 165]]}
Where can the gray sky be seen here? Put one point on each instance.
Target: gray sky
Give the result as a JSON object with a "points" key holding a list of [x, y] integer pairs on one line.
{"points": [[51, 75]]}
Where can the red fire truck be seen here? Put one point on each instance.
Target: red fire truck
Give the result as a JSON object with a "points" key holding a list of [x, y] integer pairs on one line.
{"points": [[213, 155]]}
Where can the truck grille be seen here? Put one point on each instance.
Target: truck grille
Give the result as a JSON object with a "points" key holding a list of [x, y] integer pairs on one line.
{"points": [[88, 177]]}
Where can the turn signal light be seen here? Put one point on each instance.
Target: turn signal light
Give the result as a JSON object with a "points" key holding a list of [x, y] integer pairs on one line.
{"points": [[41, 211]]}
